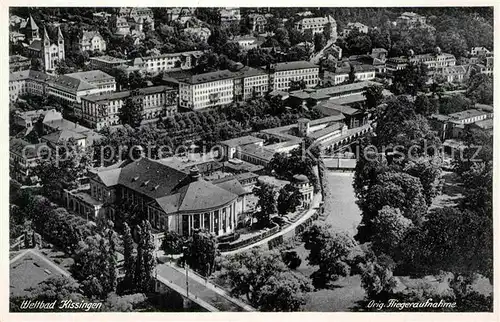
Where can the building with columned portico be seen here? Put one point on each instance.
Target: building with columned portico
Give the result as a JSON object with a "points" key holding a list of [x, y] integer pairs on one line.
{"points": [[171, 199]]}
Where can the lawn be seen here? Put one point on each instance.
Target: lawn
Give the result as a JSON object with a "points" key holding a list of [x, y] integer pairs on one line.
{"points": [[344, 215]]}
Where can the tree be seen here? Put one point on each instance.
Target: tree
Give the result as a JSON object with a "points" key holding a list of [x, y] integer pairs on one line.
{"points": [[288, 199], [218, 38], [291, 259], [424, 106], [373, 95], [358, 43], [121, 78], [452, 239], [377, 279], [389, 229], [284, 292], [453, 104], [136, 80], [263, 278], [36, 64], [172, 243], [352, 74], [266, 202], [201, 251], [92, 266], [128, 257], [319, 42], [281, 35], [62, 169], [428, 171], [452, 42], [410, 80], [480, 88], [62, 68], [399, 126], [131, 112], [55, 288], [328, 250], [327, 32], [125, 303], [145, 259]]}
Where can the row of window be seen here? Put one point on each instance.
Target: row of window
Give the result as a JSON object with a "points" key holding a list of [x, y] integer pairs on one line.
{"points": [[299, 72]]}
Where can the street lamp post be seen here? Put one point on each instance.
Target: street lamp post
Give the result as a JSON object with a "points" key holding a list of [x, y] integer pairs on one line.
{"points": [[184, 248]]}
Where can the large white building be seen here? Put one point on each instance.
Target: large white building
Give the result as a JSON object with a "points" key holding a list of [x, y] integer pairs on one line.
{"points": [[71, 87], [207, 90], [168, 62], [100, 111], [436, 61], [283, 73], [255, 83], [27, 82], [91, 41], [361, 73], [317, 25]]}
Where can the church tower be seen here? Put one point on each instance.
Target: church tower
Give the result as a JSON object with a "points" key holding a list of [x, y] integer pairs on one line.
{"points": [[60, 44], [46, 52], [31, 31], [52, 48]]}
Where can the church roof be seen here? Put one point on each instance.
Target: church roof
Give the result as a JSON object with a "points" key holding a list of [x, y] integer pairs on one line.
{"points": [[31, 24], [53, 33]]}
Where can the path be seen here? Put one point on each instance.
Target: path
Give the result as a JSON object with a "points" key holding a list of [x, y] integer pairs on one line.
{"points": [[205, 294], [317, 57], [315, 204]]}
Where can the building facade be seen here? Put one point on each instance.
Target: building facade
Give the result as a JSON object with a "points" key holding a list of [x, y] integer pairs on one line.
{"points": [[317, 25], [91, 41], [257, 22], [207, 90], [202, 33], [23, 157], [169, 62], [71, 87], [106, 63], [99, 111], [341, 75], [172, 200], [283, 73], [27, 82]]}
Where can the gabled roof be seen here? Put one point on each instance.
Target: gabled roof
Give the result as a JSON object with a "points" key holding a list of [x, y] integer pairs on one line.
{"points": [[327, 130], [31, 24], [202, 195], [466, 114], [150, 178], [301, 64], [241, 141], [52, 115], [35, 45], [63, 135], [233, 186], [90, 34], [209, 77], [485, 124], [70, 84], [18, 146], [344, 109], [91, 76]]}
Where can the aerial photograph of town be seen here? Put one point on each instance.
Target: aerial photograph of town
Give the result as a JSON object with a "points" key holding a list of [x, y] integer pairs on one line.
{"points": [[250, 159]]}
